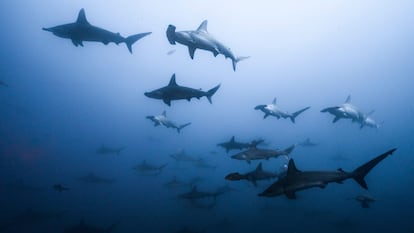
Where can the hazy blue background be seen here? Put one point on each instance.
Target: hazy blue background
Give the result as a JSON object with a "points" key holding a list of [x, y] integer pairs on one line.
{"points": [[63, 102]]}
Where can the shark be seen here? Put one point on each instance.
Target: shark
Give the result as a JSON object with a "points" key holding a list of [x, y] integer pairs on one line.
{"points": [[82, 227], [234, 145], [163, 120], [254, 153], [345, 111], [176, 183], [202, 163], [255, 175], [296, 180], [201, 39], [82, 30], [365, 200], [196, 194], [60, 188], [182, 156], [2, 83], [307, 143], [91, 178], [104, 150], [273, 110], [145, 167], [175, 92]]}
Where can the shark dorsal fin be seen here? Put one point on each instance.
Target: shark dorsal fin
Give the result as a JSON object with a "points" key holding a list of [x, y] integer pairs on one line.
{"points": [[164, 113], [232, 139], [259, 167], [203, 26], [82, 17], [292, 167], [348, 99], [172, 81], [274, 100]]}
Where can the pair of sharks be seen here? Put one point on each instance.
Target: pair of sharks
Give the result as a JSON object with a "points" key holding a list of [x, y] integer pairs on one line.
{"points": [[82, 30], [163, 120], [349, 111]]}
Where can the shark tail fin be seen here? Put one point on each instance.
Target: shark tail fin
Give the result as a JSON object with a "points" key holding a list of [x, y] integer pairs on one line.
{"points": [[235, 61], [130, 40], [211, 92], [295, 114], [182, 126], [360, 173], [171, 34]]}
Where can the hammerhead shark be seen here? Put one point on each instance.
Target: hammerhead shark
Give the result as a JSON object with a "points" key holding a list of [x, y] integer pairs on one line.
{"points": [[296, 180], [254, 153], [345, 111], [145, 167], [82, 30], [108, 150], [201, 39], [255, 175], [175, 92], [273, 110], [365, 200], [234, 145], [163, 120]]}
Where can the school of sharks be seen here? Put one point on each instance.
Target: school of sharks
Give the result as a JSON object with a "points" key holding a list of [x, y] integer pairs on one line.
{"points": [[286, 181]]}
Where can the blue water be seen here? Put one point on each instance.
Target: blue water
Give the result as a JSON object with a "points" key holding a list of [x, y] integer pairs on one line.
{"points": [[62, 103]]}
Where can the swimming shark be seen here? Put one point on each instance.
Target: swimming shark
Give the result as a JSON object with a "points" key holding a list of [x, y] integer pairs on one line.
{"points": [[94, 179], [254, 153], [201, 39], [82, 30], [145, 167], [3, 84], [273, 110], [234, 145], [182, 156], [202, 163], [163, 120], [82, 227], [60, 188], [196, 194], [345, 111], [296, 180], [307, 143], [365, 200], [175, 183], [175, 92], [255, 175], [108, 150]]}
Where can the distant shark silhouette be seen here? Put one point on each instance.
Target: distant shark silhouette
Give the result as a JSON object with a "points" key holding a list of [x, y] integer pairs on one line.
{"points": [[201, 39], [60, 188], [163, 120], [176, 92], [82, 30], [108, 150], [365, 200], [145, 167], [296, 180], [273, 110]]}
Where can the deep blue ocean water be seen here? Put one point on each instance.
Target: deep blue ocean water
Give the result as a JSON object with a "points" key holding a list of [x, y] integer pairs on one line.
{"points": [[60, 103]]}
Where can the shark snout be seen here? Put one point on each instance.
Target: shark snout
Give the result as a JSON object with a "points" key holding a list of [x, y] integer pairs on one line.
{"points": [[47, 29]]}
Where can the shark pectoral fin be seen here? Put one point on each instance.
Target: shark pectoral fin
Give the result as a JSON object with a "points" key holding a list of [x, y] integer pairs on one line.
{"points": [[336, 119], [75, 42], [167, 102], [265, 116], [291, 195], [191, 51], [189, 99], [322, 185]]}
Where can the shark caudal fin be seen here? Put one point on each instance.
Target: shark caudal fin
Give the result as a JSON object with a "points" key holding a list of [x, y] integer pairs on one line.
{"points": [[360, 173], [130, 40], [211, 92], [234, 61], [182, 126], [295, 114]]}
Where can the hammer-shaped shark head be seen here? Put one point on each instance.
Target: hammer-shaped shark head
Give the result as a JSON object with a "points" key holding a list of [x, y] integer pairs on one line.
{"points": [[157, 94], [59, 31]]}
